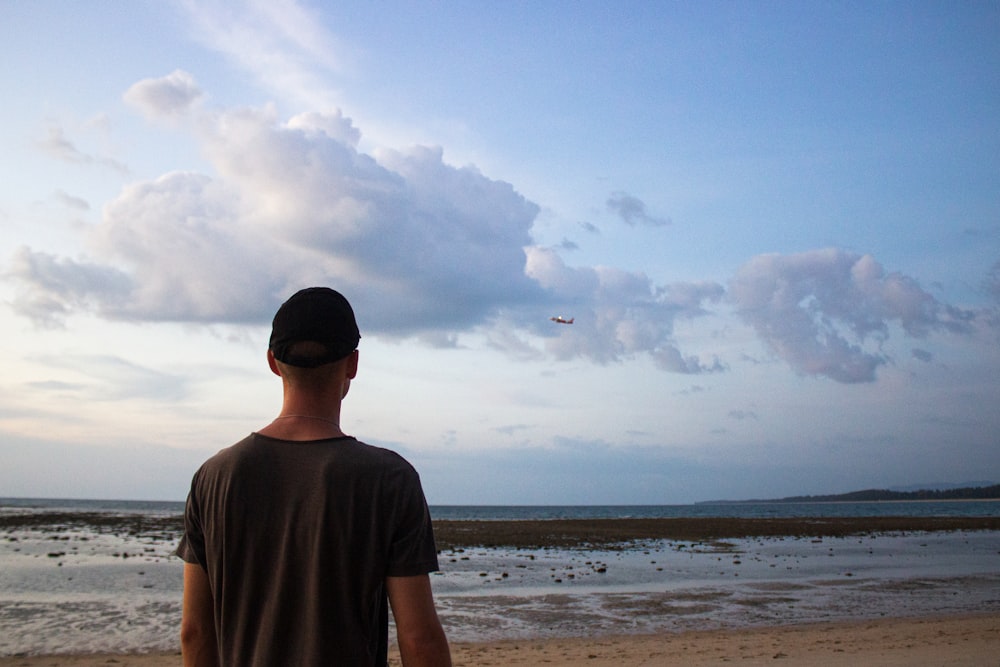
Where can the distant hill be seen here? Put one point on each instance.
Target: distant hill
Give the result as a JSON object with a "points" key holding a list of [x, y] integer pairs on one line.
{"points": [[941, 486], [963, 493]]}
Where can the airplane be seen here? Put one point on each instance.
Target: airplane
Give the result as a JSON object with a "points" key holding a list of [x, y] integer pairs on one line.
{"points": [[561, 320]]}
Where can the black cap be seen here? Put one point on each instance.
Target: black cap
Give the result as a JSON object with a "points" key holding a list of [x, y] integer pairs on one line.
{"points": [[317, 314]]}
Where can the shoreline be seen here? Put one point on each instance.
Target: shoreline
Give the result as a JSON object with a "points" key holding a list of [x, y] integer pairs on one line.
{"points": [[969, 639], [604, 533], [548, 533]]}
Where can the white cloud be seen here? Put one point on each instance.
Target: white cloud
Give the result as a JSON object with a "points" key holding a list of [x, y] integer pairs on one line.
{"points": [[281, 43], [165, 97], [421, 247], [619, 314], [333, 124], [632, 210], [188, 251], [69, 200], [53, 286], [58, 146], [111, 378], [670, 358], [822, 311], [429, 250]]}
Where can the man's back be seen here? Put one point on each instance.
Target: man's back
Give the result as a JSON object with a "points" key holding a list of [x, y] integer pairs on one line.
{"points": [[297, 539]]}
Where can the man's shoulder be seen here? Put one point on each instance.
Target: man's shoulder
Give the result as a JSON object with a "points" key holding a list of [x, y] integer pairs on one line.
{"points": [[381, 454], [224, 457], [232, 450], [255, 445]]}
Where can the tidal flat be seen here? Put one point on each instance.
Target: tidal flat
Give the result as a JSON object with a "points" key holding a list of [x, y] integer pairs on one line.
{"points": [[73, 582]]}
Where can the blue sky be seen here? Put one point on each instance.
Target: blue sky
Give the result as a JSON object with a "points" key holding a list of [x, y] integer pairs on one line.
{"points": [[777, 226]]}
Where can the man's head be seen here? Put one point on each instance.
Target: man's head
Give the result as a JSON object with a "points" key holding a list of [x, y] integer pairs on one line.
{"points": [[316, 326]]}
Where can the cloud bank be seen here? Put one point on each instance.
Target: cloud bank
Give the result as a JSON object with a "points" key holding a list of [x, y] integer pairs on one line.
{"points": [[426, 249]]}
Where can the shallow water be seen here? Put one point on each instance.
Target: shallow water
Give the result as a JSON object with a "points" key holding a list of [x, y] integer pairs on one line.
{"points": [[499, 593], [84, 589]]}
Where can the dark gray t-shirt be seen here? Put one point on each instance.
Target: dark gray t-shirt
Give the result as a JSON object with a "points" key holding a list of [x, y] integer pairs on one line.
{"points": [[297, 539]]}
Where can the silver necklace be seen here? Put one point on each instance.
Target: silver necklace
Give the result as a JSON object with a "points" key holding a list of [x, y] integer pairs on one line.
{"points": [[322, 419]]}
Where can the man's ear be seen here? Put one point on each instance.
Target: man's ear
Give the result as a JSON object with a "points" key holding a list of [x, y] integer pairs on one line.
{"points": [[272, 362], [351, 370]]}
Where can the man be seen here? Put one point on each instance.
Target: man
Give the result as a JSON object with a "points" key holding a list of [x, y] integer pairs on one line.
{"points": [[296, 537]]}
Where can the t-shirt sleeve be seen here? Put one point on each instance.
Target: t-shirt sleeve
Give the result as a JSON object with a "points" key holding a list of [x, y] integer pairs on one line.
{"points": [[192, 545], [412, 551]]}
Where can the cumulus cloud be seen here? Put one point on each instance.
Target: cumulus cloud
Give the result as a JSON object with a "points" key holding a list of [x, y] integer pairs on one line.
{"points": [[55, 286], [823, 311], [165, 97], [428, 250], [420, 246], [632, 210], [333, 124], [183, 242], [619, 314]]}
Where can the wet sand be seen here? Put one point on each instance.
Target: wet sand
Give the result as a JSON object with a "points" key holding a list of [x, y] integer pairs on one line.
{"points": [[913, 642], [550, 533], [951, 640]]}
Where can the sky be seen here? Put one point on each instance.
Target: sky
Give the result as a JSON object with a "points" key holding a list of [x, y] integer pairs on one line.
{"points": [[776, 226]]}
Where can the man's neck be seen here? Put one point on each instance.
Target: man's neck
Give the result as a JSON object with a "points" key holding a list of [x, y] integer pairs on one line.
{"points": [[304, 425]]}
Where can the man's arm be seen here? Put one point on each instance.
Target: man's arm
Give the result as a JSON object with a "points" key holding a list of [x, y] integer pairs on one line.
{"points": [[198, 643], [421, 638]]}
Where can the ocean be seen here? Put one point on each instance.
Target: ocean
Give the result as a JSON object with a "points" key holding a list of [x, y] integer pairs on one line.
{"points": [[72, 581], [738, 510], [541, 512]]}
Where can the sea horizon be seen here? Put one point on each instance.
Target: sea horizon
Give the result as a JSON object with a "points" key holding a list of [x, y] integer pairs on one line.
{"points": [[486, 512]]}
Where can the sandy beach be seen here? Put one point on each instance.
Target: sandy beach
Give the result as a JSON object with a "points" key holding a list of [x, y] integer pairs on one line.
{"points": [[937, 641]]}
